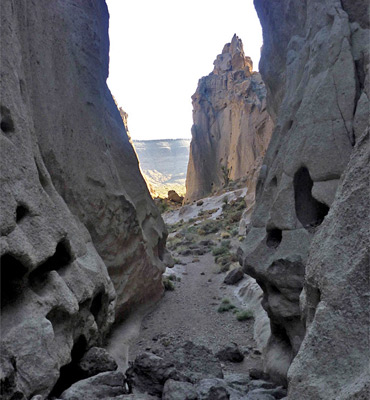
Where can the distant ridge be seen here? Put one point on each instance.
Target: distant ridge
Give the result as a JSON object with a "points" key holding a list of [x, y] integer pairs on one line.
{"points": [[163, 163]]}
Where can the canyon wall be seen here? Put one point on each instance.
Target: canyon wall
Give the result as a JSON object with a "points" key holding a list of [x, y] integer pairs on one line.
{"points": [[305, 232], [231, 127], [81, 240]]}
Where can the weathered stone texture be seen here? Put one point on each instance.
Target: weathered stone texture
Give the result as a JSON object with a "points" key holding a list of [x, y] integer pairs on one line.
{"points": [[335, 299], [66, 165], [231, 127], [315, 63]]}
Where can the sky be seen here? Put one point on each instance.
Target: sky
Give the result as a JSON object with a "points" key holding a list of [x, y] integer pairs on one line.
{"points": [[159, 49]]}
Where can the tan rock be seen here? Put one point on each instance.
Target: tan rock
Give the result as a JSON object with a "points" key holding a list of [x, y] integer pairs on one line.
{"points": [[231, 126]]}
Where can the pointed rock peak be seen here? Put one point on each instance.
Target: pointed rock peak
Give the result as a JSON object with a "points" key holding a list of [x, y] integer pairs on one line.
{"points": [[232, 58]]}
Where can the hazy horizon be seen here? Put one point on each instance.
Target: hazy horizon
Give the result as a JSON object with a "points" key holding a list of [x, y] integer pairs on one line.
{"points": [[159, 51]]}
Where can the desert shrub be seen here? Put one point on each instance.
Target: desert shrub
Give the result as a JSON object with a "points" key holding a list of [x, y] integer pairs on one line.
{"points": [[168, 284], [219, 251], [208, 227], [225, 305], [244, 315]]}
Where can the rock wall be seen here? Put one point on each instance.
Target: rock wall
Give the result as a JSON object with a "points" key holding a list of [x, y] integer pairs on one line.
{"points": [[231, 127], [74, 205], [315, 65]]}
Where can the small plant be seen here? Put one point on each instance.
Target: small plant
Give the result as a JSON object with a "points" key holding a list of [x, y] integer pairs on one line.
{"points": [[225, 305], [244, 315], [208, 227], [220, 251], [168, 284]]}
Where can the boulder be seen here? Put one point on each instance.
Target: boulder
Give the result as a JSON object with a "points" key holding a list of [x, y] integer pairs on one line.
{"points": [[102, 386], [173, 196], [175, 390], [195, 362], [234, 276], [230, 353], [95, 361], [149, 372], [212, 389]]}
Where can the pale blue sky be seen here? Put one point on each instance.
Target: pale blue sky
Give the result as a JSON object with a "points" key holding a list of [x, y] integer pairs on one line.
{"points": [[161, 48]]}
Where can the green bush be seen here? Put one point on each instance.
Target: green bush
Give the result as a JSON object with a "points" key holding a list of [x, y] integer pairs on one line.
{"points": [[220, 251], [225, 305], [168, 284], [244, 315]]}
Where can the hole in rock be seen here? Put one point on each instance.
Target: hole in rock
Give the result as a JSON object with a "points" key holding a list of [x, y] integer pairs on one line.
{"points": [[20, 213], [273, 181], [58, 260], [98, 307], [6, 124], [58, 317], [309, 211], [161, 247], [11, 277], [274, 237], [70, 373]]}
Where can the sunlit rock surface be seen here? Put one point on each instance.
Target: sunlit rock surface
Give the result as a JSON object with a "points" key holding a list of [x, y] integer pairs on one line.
{"points": [[81, 239], [163, 164], [231, 127], [315, 65]]}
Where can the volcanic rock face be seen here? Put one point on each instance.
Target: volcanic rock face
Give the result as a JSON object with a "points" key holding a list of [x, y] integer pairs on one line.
{"points": [[231, 126], [315, 64], [66, 165]]}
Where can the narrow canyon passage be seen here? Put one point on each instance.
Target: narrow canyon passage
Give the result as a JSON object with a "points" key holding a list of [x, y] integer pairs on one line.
{"points": [[209, 326], [189, 312]]}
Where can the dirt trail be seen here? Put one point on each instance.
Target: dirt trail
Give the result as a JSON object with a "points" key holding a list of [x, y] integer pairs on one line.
{"points": [[190, 313]]}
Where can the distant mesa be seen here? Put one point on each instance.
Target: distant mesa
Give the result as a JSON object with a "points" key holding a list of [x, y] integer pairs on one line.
{"points": [[163, 164]]}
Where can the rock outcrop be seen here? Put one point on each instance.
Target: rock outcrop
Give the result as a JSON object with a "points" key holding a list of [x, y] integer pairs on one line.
{"points": [[231, 127], [315, 65], [76, 215]]}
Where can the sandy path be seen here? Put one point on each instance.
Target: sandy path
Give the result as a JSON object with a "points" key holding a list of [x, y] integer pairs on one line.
{"points": [[190, 313]]}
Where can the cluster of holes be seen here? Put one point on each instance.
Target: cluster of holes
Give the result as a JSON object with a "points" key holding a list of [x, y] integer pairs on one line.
{"points": [[309, 211], [6, 124]]}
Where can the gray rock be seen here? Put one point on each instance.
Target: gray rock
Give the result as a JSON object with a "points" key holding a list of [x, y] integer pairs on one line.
{"points": [[74, 205], [149, 373], [230, 353], [212, 389], [336, 306], [316, 71], [97, 360], [234, 276], [259, 396], [175, 390], [196, 362], [102, 386]]}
